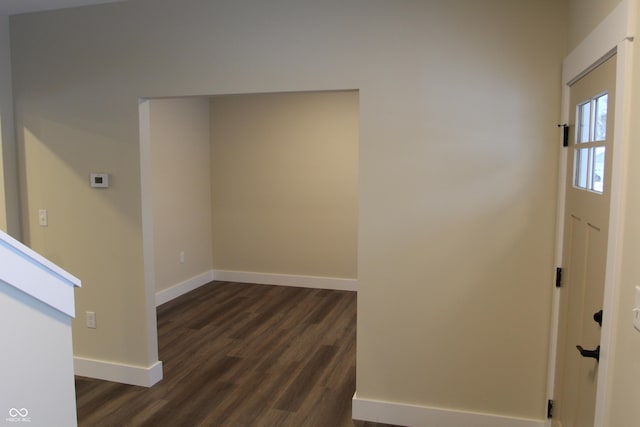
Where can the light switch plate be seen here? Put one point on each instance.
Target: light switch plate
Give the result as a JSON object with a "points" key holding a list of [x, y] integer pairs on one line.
{"points": [[43, 217], [91, 319], [636, 310]]}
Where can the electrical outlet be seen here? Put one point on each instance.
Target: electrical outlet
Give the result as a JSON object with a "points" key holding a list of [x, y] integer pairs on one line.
{"points": [[181, 257], [91, 319]]}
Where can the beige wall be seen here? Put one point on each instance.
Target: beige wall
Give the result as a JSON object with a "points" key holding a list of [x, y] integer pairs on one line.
{"points": [[70, 122], [585, 15], [181, 188], [9, 219], [285, 183], [457, 168]]}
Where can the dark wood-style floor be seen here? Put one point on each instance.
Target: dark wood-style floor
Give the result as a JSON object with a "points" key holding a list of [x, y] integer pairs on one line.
{"points": [[241, 355]]}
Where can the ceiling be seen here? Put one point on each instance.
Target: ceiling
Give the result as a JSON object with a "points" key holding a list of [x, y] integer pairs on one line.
{"points": [[14, 7]]}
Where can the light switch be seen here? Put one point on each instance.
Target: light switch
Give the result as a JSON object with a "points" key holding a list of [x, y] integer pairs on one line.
{"points": [[91, 319], [43, 218]]}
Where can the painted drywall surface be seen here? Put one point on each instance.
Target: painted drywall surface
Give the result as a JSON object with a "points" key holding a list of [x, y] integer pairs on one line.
{"points": [[38, 360], [70, 123], [90, 232], [584, 16], [285, 183], [457, 280], [9, 218], [181, 187], [457, 167]]}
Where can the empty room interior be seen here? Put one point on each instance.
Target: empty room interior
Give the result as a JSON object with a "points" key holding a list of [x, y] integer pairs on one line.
{"points": [[253, 183], [323, 213]]}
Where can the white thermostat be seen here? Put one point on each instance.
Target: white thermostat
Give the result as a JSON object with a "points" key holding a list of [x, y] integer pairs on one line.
{"points": [[100, 180]]}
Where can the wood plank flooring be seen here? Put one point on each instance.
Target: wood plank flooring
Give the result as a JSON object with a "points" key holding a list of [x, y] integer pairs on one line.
{"points": [[241, 355]]}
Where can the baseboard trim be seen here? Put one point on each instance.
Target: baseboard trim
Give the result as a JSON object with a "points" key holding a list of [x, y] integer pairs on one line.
{"points": [[118, 372], [317, 282], [418, 416], [175, 291], [195, 282]]}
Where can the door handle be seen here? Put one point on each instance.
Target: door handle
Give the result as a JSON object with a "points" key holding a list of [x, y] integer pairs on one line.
{"points": [[589, 353], [597, 317]]}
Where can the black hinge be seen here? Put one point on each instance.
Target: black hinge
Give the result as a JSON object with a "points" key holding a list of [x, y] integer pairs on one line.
{"points": [[565, 134], [558, 277], [549, 408]]}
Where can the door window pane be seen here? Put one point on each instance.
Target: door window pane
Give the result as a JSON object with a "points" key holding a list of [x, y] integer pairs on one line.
{"points": [[598, 170], [591, 133], [600, 124], [582, 163], [584, 121]]}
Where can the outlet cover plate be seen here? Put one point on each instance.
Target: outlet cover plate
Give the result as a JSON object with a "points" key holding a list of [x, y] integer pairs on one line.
{"points": [[99, 180]]}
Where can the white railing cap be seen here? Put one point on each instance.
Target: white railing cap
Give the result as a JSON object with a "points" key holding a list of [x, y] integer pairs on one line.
{"points": [[33, 274]]}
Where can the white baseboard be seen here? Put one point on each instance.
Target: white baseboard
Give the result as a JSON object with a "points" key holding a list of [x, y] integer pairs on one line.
{"points": [[335, 283], [118, 372], [175, 291], [317, 282], [423, 416]]}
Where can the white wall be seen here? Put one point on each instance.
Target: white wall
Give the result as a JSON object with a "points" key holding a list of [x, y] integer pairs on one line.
{"points": [[9, 219], [181, 189], [37, 361], [457, 168]]}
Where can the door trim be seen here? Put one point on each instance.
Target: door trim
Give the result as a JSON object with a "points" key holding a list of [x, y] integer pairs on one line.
{"points": [[613, 35]]}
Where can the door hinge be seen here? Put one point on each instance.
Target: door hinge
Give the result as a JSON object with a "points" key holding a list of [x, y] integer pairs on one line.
{"points": [[549, 408], [565, 134], [558, 277]]}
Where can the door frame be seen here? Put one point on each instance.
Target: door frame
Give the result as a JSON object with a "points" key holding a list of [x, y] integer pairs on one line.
{"points": [[613, 36]]}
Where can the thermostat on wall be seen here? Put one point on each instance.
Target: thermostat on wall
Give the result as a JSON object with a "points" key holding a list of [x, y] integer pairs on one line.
{"points": [[100, 180]]}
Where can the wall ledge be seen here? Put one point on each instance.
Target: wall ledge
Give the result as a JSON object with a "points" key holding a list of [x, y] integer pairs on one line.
{"points": [[417, 416], [36, 276], [118, 372]]}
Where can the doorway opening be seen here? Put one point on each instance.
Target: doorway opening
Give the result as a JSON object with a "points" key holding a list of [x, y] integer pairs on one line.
{"points": [[257, 188]]}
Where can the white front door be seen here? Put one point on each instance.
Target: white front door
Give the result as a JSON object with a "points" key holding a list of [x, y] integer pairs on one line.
{"points": [[587, 203]]}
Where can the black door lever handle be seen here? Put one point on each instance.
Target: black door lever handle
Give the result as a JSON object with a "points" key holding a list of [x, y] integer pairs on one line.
{"points": [[589, 353]]}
